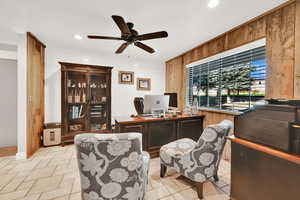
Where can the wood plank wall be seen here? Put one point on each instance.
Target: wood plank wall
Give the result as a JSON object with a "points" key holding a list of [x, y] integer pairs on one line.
{"points": [[297, 52], [215, 118], [35, 93], [278, 27]]}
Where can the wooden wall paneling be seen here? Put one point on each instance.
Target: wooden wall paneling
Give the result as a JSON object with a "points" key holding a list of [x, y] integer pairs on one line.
{"points": [[297, 52], [280, 53], [174, 78], [35, 93], [215, 118]]}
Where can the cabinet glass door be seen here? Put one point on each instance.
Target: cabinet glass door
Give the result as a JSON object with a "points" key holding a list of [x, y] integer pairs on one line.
{"points": [[76, 101], [98, 102]]}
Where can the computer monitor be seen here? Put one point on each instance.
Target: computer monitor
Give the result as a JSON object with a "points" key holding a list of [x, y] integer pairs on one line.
{"points": [[173, 100], [156, 103]]}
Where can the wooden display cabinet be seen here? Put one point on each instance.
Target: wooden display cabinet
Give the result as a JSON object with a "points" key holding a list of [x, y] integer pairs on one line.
{"points": [[85, 99]]}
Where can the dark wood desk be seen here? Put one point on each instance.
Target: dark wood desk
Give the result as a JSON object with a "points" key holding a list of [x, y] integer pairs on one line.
{"points": [[160, 131], [263, 173]]}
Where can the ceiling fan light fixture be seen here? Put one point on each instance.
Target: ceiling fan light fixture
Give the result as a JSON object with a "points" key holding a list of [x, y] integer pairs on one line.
{"points": [[78, 37], [213, 3]]}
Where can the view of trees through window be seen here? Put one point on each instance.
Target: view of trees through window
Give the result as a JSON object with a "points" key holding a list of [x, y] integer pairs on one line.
{"points": [[236, 82]]}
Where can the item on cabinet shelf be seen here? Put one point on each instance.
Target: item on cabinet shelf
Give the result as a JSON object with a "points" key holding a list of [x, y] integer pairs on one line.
{"points": [[77, 96], [103, 127], [143, 84], [103, 99], [83, 97], [70, 97], [75, 112], [69, 84], [75, 127]]}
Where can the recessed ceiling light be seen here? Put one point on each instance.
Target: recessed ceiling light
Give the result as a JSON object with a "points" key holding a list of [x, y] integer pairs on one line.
{"points": [[213, 3], [78, 37]]}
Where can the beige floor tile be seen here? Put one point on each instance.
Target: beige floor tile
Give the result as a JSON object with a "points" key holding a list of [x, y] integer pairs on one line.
{"points": [[158, 193], [12, 185], [216, 197], [5, 179], [60, 192], [53, 174], [185, 195], [75, 196], [62, 198], [45, 184], [28, 165], [19, 194], [26, 185], [76, 186], [41, 173], [168, 198], [172, 185], [31, 197]]}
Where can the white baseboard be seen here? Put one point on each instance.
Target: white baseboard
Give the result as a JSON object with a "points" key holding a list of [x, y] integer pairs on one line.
{"points": [[20, 155]]}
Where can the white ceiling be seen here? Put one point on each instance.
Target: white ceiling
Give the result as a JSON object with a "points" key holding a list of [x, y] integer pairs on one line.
{"points": [[188, 22]]}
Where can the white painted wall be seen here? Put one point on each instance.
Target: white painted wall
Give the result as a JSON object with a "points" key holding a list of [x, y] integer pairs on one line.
{"points": [[8, 102], [22, 101], [122, 95]]}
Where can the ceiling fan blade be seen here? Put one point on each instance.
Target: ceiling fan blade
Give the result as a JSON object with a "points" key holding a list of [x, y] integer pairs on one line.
{"points": [[144, 47], [122, 47], [103, 37], [121, 24], [155, 35]]}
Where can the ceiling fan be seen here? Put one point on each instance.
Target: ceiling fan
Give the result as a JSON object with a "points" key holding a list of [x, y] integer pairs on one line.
{"points": [[131, 36]]}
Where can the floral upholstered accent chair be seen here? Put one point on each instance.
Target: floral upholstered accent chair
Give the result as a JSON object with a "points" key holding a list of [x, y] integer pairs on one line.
{"points": [[112, 166], [198, 161]]}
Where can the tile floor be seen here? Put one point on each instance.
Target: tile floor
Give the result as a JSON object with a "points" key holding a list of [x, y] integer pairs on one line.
{"points": [[52, 174]]}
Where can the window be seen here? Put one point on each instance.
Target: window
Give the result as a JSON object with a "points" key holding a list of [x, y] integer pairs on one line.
{"points": [[235, 82]]}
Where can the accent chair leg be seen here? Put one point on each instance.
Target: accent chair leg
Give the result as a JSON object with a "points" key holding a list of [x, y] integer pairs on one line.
{"points": [[216, 177], [199, 187], [163, 170]]}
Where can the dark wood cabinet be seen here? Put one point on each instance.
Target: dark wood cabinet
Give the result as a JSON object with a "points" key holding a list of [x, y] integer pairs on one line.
{"points": [[262, 173], [85, 99], [190, 128], [160, 131]]}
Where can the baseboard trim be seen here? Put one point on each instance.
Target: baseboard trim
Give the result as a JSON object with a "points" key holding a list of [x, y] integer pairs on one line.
{"points": [[20, 155], [8, 151]]}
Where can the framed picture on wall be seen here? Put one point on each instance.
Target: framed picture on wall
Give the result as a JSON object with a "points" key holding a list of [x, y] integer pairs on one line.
{"points": [[143, 83], [126, 77]]}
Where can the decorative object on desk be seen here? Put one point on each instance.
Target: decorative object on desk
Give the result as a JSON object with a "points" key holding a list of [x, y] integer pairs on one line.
{"points": [[139, 105], [126, 77], [195, 106], [143, 84]]}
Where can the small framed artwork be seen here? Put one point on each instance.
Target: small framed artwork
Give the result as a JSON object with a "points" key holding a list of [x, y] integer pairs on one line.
{"points": [[143, 83], [126, 77]]}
